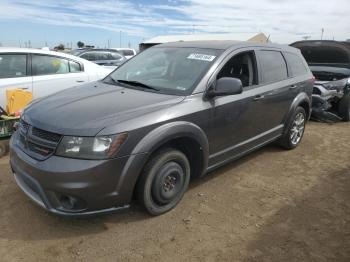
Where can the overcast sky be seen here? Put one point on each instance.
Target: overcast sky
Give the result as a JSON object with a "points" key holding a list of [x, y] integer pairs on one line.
{"points": [[100, 22]]}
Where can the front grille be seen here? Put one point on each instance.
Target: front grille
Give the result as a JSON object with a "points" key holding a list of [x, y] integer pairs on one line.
{"points": [[52, 137], [38, 149], [36, 142]]}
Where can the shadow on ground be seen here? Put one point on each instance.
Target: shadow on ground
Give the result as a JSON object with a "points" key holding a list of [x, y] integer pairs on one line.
{"points": [[314, 228]]}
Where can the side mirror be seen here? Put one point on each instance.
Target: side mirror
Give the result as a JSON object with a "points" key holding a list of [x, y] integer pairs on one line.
{"points": [[226, 86]]}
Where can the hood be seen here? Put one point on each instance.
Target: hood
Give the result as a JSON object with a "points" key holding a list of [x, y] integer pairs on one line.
{"points": [[87, 109], [329, 73]]}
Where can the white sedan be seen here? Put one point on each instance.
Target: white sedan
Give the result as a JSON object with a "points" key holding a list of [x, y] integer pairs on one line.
{"points": [[44, 72]]}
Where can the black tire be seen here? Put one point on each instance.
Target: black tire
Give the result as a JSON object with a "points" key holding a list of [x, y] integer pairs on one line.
{"points": [[294, 132], [344, 107], [3, 148], [163, 181]]}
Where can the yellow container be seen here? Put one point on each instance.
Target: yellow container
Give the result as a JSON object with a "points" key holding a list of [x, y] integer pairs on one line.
{"points": [[17, 99]]}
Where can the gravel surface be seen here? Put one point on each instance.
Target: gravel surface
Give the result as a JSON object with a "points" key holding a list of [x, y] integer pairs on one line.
{"points": [[272, 205]]}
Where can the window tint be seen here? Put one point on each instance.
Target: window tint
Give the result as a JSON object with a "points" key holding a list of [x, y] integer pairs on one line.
{"points": [[48, 65], [241, 66], [296, 64], [74, 66], [127, 52], [13, 65], [273, 66]]}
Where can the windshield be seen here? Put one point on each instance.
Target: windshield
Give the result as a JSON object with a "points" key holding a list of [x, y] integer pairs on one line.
{"points": [[166, 70]]}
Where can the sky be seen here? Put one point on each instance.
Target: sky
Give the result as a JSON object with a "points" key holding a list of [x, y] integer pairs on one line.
{"points": [[115, 23]]}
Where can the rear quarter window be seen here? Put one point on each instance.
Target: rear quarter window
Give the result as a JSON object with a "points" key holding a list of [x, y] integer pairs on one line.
{"points": [[296, 64], [273, 67]]}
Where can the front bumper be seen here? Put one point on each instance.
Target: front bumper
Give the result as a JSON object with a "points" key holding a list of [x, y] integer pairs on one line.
{"points": [[97, 186]]}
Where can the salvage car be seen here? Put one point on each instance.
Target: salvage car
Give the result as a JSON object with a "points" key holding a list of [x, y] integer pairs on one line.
{"points": [[175, 111], [329, 62], [43, 72]]}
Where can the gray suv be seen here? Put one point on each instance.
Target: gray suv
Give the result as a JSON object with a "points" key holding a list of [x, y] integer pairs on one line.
{"points": [[172, 113]]}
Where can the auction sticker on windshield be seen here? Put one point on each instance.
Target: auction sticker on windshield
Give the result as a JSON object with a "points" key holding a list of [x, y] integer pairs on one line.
{"points": [[202, 57]]}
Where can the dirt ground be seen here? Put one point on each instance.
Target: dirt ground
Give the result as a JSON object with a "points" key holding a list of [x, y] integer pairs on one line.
{"points": [[272, 205]]}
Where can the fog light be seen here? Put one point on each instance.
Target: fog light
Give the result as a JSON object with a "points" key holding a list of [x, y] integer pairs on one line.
{"points": [[71, 203]]}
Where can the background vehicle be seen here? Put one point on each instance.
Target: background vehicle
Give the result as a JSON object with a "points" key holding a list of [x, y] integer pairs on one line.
{"points": [[174, 112], [329, 61], [43, 72], [103, 57], [127, 52]]}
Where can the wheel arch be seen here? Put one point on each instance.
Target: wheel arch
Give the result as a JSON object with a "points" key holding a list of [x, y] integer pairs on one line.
{"points": [[184, 136], [302, 100]]}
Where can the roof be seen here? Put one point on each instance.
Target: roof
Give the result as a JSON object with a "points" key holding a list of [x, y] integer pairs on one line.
{"points": [[254, 37], [223, 45], [36, 51]]}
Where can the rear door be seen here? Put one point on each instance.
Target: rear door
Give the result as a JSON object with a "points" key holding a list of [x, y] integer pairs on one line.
{"points": [[279, 89], [52, 74], [14, 74]]}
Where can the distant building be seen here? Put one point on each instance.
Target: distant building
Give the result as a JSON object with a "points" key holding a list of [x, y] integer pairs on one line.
{"points": [[251, 37]]}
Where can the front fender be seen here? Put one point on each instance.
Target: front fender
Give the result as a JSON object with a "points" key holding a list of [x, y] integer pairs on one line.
{"points": [[151, 142]]}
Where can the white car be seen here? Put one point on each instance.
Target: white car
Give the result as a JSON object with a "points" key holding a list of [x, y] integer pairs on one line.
{"points": [[127, 52], [44, 72]]}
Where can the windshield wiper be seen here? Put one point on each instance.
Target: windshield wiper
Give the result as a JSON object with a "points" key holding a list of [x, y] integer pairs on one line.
{"points": [[135, 83]]}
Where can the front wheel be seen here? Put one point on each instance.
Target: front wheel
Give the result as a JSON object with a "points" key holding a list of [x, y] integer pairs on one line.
{"points": [[163, 181], [296, 127]]}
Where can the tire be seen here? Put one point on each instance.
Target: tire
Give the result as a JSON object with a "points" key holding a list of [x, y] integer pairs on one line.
{"points": [[344, 107], [295, 131], [3, 148], [163, 181]]}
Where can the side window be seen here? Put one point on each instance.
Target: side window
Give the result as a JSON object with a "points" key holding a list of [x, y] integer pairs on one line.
{"points": [[273, 66], [127, 52], [296, 64], [241, 66], [87, 56], [104, 56], [74, 67], [48, 65], [13, 65], [115, 56]]}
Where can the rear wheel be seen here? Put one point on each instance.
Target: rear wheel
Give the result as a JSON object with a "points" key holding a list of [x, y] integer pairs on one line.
{"points": [[164, 181], [344, 107], [295, 131]]}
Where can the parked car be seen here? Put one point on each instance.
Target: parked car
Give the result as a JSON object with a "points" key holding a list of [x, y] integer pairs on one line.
{"points": [[329, 61], [103, 57], [43, 72], [174, 112], [127, 52]]}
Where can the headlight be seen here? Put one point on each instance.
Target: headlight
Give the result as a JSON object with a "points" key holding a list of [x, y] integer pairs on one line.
{"points": [[100, 147]]}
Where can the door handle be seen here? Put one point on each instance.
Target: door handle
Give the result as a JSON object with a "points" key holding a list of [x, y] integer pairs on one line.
{"points": [[293, 87], [80, 81], [259, 97]]}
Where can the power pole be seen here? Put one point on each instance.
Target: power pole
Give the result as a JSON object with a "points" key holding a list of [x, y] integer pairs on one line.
{"points": [[120, 39], [322, 32]]}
